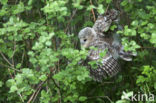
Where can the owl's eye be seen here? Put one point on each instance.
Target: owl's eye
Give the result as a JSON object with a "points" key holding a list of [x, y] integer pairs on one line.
{"points": [[85, 40]]}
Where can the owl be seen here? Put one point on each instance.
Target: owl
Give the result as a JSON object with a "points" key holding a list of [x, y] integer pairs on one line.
{"points": [[107, 66], [102, 40]]}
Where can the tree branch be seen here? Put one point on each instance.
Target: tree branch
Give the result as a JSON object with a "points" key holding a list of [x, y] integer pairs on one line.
{"points": [[92, 10]]}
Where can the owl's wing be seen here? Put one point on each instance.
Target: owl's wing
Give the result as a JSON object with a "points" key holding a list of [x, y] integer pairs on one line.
{"points": [[108, 66], [103, 23]]}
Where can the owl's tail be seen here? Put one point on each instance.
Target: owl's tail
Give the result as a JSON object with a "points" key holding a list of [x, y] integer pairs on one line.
{"points": [[127, 56], [107, 69]]}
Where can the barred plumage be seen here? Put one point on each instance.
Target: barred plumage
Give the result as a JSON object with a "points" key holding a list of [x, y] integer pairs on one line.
{"points": [[103, 23], [108, 65]]}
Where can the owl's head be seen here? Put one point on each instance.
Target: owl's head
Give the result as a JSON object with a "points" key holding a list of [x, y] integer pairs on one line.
{"points": [[87, 36]]}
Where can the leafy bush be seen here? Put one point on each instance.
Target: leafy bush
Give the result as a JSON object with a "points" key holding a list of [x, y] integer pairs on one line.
{"points": [[40, 55]]}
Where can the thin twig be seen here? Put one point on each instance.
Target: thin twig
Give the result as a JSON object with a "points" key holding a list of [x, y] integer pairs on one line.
{"points": [[39, 13], [10, 72], [36, 94], [74, 12], [55, 83], [106, 9], [14, 53], [6, 59], [13, 63], [38, 87], [148, 47], [59, 92], [22, 57], [92, 10], [10, 67], [18, 93], [21, 97], [15, 69]]}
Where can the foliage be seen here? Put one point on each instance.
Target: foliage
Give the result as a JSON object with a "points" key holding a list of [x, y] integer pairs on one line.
{"points": [[40, 55]]}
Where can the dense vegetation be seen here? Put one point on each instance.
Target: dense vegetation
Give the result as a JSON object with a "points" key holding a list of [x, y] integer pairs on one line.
{"points": [[40, 51]]}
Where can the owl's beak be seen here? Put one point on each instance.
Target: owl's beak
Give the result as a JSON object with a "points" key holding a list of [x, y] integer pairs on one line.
{"points": [[85, 45]]}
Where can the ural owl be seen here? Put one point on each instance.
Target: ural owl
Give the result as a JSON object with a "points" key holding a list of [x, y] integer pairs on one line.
{"points": [[108, 66], [98, 37]]}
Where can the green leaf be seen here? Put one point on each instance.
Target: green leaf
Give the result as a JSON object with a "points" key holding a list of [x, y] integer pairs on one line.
{"points": [[144, 23], [82, 98], [153, 38], [145, 36], [151, 26], [19, 8], [10, 82], [133, 32], [18, 65], [113, 27], [79, 78], [134, 23], [91, 7], [30, 2], [108, 1], [19, 79], [103, 53], [43, 77], [101, 9], [124, 3], [4, 1], [13, 88], [48, 43], [1, 83]]}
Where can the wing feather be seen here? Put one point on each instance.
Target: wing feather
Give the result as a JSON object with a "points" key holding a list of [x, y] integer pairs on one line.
{"points": [[108, 67]]}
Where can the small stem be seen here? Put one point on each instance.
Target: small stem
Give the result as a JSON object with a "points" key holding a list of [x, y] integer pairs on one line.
{"points": [[107, 9], [6, 59], [33, 95], [92, 10], [74, 12]]}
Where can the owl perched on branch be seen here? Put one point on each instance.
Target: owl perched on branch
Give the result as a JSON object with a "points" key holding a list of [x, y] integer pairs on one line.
{"points": [[107, 65]]}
